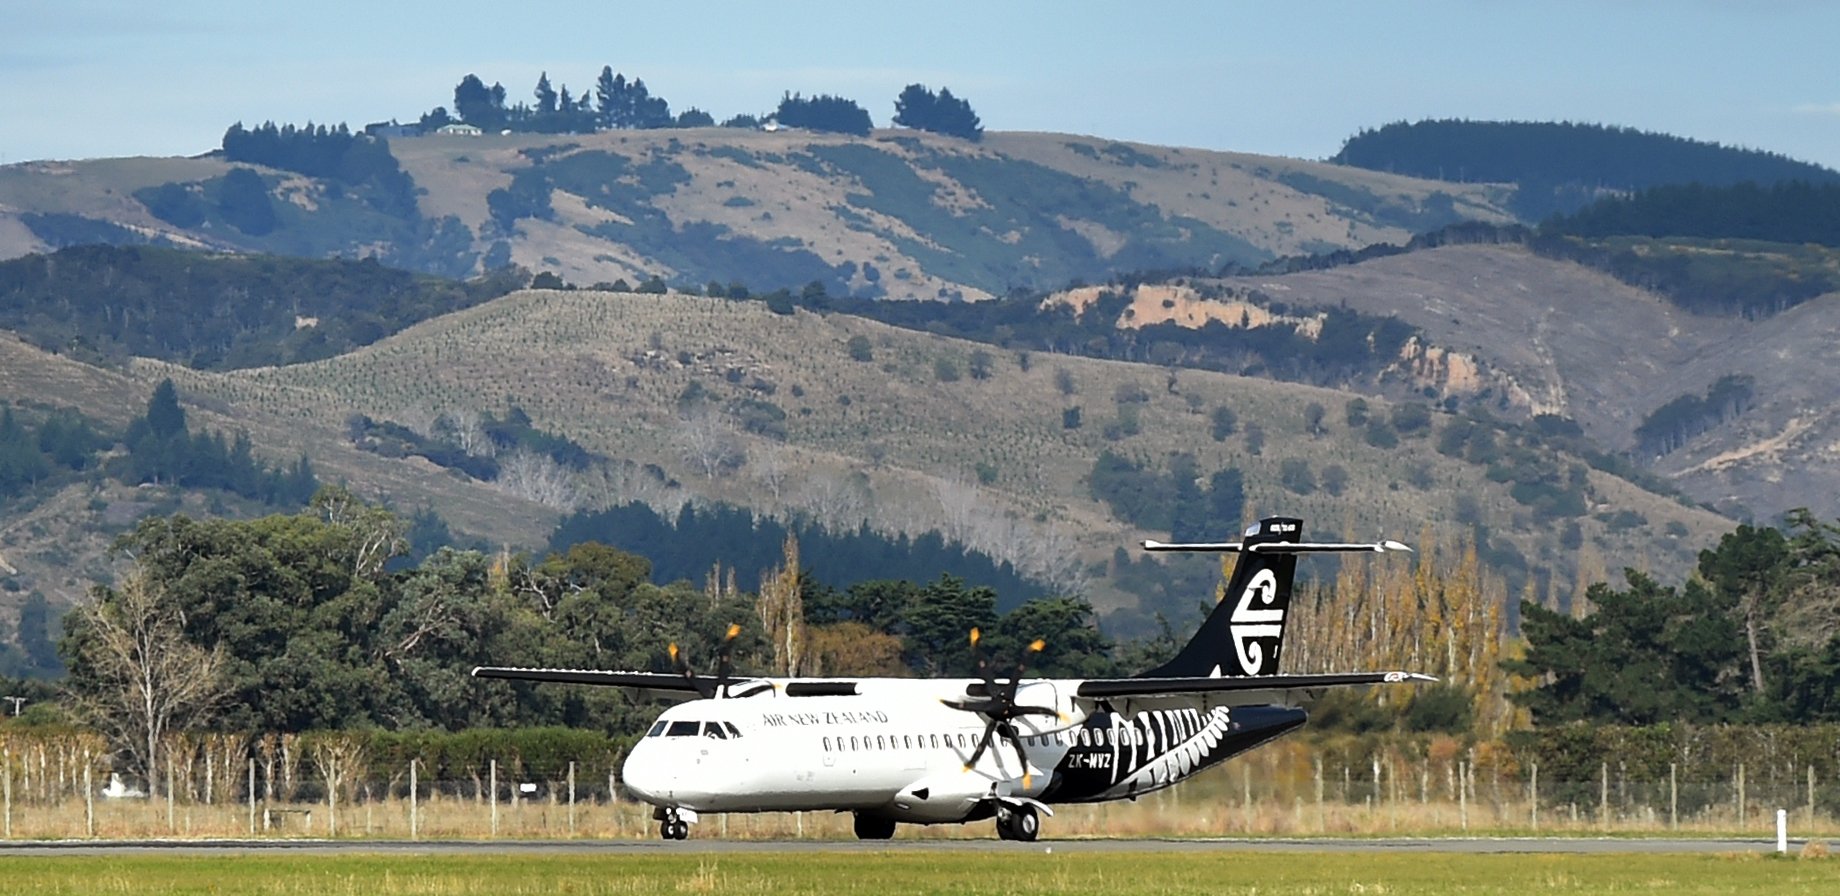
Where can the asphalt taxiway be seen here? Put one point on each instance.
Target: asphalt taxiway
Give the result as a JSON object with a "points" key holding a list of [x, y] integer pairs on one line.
{"points": [[1457, 845]]}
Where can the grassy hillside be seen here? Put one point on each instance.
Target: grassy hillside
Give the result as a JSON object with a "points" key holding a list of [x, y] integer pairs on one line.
{"points": [[917, 432], [1525, 335], [909, 439], [898, 214]]}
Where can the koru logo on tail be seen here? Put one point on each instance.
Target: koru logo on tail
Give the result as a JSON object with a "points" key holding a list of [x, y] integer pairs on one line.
{"points": [[1255, 621]]}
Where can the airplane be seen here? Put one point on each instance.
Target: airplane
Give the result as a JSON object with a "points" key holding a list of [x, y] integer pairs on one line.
{"points": [[924, 751]]}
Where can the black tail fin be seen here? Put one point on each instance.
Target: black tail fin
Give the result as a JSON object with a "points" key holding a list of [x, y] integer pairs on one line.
{"points": [[1244, 634]]}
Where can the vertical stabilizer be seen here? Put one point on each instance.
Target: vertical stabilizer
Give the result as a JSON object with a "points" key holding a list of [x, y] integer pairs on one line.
{"points": [[1244, 635]]}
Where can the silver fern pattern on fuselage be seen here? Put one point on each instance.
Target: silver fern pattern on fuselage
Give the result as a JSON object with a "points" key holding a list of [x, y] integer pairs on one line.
{"points": [[1114, 755]]}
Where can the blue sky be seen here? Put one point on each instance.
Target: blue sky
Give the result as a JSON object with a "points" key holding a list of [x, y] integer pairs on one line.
{"points": [[88, 78]]}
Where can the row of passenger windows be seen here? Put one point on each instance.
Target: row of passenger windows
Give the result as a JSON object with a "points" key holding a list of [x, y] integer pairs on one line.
{"points": [[1084, 737], [684, 728]]}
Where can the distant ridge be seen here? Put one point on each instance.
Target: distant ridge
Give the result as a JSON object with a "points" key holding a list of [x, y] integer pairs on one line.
{"points": [[1563, 164]]}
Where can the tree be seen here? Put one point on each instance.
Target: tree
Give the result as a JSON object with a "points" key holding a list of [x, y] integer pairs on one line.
{"points": [[823, 113], [920, 108], [939, 620], [134, 673], [782, 613], [546, 96], [479, 105], [1746, 571], [243, 201], [1644, 655], [914, 107]]}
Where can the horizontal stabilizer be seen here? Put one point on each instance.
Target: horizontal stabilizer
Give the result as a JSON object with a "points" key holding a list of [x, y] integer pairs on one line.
{"points": [[648, 681], [1274, 547], [1170, 687]]}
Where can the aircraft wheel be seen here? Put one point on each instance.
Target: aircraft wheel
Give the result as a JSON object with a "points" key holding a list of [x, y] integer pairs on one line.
{"points": [[1025, 824], [680, 830], [869, 827]]}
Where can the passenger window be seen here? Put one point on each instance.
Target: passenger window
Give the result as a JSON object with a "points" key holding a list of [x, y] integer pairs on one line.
{"points": [[907, 743], [682, 729], [852, 742], [657, 728], [827, 743], [881, 743], [933, 739]]}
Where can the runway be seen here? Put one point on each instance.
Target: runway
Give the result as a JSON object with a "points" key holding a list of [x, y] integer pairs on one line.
{"points": [[1453, 845]]}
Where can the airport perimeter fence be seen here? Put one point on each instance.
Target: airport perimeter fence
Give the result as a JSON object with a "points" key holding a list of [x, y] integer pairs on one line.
{"points": [[1286, 790]]}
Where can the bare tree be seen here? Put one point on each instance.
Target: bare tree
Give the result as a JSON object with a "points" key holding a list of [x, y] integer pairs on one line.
{"points": [[770, 470], [467, 431], [142, 680], [782, 612], [837, 504], [958, 503], [709, 443], [535, 476]]}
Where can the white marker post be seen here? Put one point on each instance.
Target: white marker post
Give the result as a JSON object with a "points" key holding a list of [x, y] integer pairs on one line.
{"points": [[1782, 831]]}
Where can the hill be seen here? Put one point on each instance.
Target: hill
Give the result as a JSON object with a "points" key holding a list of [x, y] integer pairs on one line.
{"points": [[1526, 335], [900, 214], [1561, 166], [905, 435]]}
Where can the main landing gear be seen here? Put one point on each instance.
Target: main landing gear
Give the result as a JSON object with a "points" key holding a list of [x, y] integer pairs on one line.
{"points": [[670, 826], [869, 827], [1018, 823]]}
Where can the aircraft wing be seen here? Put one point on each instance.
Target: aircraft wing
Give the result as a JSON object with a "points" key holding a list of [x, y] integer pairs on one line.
{"points": [[645, 685], [1252, 690]]}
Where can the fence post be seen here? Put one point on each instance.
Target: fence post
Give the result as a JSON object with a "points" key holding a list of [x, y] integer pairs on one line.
{"points": [[252, 796], [1811, 796], [332, 800], [1533, 794], [1673, 796], [1740, 796], [1322, 823], [6, 757], [1603, 796], [172, 826], [494, 786], [415, 827], [1463, 794], [89, 797], [571, 797]]}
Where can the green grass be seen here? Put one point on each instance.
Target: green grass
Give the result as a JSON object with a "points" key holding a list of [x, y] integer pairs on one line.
{"points": [[1035, 871]]}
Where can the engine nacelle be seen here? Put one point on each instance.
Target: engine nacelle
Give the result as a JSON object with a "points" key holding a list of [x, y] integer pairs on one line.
{"points": [[945, 797]]}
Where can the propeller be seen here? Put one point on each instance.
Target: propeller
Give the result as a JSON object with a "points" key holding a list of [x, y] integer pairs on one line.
{"points": [[999, 707], [723, 667]]}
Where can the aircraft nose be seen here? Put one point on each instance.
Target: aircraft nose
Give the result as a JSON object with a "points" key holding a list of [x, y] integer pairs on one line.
{"points": [[646, 774]]}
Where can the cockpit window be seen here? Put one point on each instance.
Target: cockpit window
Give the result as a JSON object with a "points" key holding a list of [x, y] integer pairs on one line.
{"points": [[682, 729], [711, 729], [732, 730], [657, 728]]}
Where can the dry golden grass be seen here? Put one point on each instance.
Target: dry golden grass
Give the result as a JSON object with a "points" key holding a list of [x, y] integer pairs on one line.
{"points": [[1272, 792]]}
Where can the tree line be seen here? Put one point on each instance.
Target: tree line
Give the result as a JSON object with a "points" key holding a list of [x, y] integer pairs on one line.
{"points": [[215, 311], [1561, 166], [331, 153], [157, 448], [1753, 637], [311, 620], [617, 103]]}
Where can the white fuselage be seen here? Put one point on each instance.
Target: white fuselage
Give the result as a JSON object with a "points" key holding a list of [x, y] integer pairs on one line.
{"points": [[893, 748], [863, 751]]}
